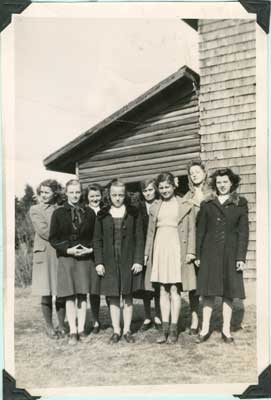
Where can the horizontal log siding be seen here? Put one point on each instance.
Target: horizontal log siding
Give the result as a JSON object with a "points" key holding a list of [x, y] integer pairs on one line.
{"points": [[227, 51], [163, 140]]}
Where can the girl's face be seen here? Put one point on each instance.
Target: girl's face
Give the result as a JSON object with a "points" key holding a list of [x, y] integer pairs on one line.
{"points": [[197, 175], [46, 194], [149, 193], [223, 184], [94, 198], [117, 195], [166, 190], [73, 193]]}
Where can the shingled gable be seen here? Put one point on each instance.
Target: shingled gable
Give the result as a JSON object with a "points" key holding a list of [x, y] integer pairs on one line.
{"points": [[66, 158]]}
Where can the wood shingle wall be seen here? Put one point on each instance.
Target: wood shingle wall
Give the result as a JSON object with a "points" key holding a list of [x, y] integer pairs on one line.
{"points": [[227, 51]]}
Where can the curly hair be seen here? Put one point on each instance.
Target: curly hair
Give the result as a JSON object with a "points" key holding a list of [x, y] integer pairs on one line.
{"points": [[93, 186], [234, 178], [56, 188]]}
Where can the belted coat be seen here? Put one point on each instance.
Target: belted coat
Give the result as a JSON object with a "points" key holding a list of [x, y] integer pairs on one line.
{"points": [[221, 241], [187, 237], [44, 273], [119, 278]]}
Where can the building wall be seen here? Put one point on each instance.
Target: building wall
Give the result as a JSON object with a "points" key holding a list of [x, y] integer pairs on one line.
{"points": [[227, 52], [165, 137]]}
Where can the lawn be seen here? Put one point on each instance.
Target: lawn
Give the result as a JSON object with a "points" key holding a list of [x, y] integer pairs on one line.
{"points": [[41, 362]]}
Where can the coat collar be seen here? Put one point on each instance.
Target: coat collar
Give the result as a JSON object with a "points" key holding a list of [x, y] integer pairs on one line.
{"points": [[234, 198], [184, 206], [68, 207], [130, 210]]}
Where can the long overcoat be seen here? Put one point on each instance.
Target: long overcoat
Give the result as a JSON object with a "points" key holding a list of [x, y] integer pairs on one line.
{"points": [[187, 237], [44, 273], [222, 240], [119, 278]]}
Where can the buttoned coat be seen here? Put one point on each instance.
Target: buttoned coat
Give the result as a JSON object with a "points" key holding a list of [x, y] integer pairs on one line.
{"points": [[187, 237], [119, 278], [44, 272], [222, 240]]}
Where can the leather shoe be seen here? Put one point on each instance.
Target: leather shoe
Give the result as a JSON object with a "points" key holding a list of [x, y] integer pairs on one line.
{"points": [[203, 338], [172, 337], [227, 339], [82, 337], [129, 337], [146, 327], [96, 329], [73, 339], [162, 338], [51, 333], [114, 338], [193, 331]]}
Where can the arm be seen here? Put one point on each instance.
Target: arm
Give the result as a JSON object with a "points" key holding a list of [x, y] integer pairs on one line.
{"points": [[191, 240], [40, 224], [55, 235], [98, 242], [243, 233], [201, 228], [139, 241]]}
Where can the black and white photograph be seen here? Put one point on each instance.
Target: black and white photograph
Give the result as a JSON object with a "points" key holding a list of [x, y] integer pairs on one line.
{"points": [[135, 175]]}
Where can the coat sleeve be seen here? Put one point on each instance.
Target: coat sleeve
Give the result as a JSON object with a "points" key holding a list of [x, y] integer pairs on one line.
{"points": [[55, 235], [40, 224], [191, 240], [243, 233], [201, 228], [98, 242], [139, 240], [150, 236]]}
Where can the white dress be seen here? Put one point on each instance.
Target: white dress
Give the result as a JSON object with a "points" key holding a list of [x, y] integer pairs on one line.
{"points": [[166, 267]]}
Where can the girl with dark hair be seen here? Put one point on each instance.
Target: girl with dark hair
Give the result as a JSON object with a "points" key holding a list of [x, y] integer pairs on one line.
{"points": [[93, 198], [149, 195], [44, 274], [71, 235], [198, 191], [222, 240], [163, 250], [119, 253]]}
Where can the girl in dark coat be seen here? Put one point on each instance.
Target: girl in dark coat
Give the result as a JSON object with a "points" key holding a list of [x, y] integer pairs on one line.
{"points": [[119, 256], [71, 235], [221, 246], [150, 194]]}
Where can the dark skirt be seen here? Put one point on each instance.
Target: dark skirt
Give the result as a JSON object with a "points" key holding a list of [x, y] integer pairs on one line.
{"points": [[73, 276]]}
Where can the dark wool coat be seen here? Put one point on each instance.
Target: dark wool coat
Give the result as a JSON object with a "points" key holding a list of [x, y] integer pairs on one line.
{"points": [[221, 241], [132, 252], [62, 233]]}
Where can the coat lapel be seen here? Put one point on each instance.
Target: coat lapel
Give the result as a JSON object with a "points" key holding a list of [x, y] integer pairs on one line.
{"points": [[184, 207], [154, 210]]}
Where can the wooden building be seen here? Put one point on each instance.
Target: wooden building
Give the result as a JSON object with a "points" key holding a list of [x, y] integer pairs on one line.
{"points": [[178, 120]]}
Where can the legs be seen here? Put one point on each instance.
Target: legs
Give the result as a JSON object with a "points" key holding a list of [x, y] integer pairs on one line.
{"points": [[227, 314], [81, 311], [147, 310], [95, 308], [194, 306], [208, 305], [114, 304], [127, 313], [47, 310], [61, 313]]}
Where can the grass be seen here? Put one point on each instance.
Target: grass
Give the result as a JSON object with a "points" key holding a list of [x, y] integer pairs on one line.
{"points": [[41, 362]]}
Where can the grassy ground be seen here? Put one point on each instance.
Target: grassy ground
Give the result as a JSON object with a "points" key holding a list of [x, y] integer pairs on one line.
{"points": [[41, 362]]}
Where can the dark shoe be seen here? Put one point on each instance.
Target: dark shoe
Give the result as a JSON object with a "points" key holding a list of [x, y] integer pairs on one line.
{"points": [[203, 338], [158, 326], [72, 339], [62, 332], [115, 338], [96, 329], [227, 339], [51, 333], [193, 331], [129, 337], [146, 327], [172, 337], [162, 338], [82, 337]]}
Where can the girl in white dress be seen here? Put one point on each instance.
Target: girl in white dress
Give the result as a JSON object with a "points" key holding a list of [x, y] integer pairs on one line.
{"points": [[163, 245]]}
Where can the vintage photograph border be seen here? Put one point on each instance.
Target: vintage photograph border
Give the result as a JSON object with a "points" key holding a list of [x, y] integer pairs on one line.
{"points": [[262, 10]]}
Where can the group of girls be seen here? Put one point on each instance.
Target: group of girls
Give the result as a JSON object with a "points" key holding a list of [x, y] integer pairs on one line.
{"points": [[165, 245]]}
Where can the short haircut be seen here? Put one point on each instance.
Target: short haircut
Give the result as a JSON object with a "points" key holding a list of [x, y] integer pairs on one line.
{"points": [[234, 178]]}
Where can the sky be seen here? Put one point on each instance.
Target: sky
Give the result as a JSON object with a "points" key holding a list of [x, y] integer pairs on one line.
{"points": [[71, 73]]}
